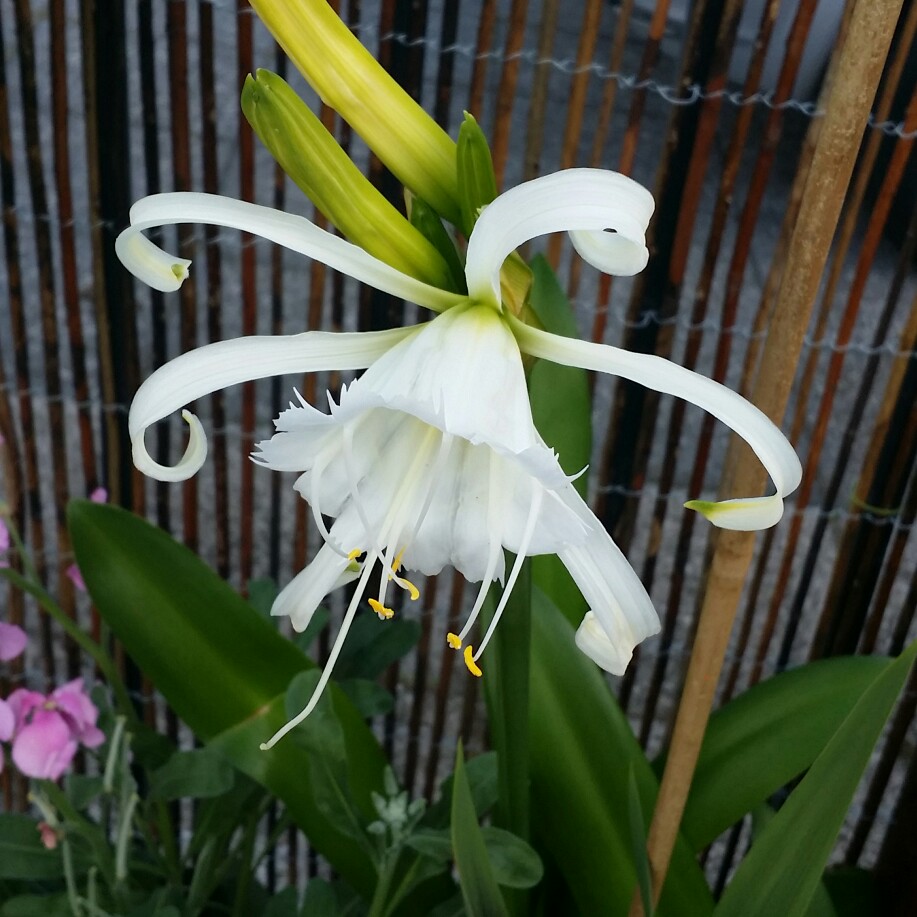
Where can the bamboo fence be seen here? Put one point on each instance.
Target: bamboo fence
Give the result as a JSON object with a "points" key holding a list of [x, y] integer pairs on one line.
{"points": [[714, 105]]}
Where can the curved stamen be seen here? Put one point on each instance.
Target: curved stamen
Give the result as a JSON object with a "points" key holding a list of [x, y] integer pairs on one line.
{"points": [[329, 665], [517, 567]]}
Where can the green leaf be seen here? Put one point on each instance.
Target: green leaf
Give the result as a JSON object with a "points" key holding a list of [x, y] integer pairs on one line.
{"points": [[507, 693], [82, 790], [479, 885], [435, 843], [481, 774], [454, 907], [514, 862], [22, 854], [782, 871], [638, 843], [197, 774], [283, 904], [320, 618], [57, 905], [581, 752], [764, 738], [373, 645], [261, 595], [369, 697], [224, 669]]}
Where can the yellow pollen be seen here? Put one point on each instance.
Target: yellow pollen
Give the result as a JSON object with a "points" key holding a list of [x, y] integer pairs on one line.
{"points": [[473, 667], [453, 641], [380, 609], [354, 554], [396, 564], [407, 584]]}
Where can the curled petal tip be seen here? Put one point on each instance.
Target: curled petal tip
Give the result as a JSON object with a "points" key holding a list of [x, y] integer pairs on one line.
{"points": [[149, 263], [748, 515], [189, 464]]}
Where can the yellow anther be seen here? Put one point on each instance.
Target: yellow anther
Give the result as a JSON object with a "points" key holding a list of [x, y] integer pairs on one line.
{"points": [[354, 554], [380, 609], [473, 667], [396, 563], [407, 584], [454, 641]]}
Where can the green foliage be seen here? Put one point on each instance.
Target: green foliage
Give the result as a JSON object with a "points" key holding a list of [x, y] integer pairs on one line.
{"points": [[782, 871], [197, 774], [222, 667], [22, 855], [764, 738], [476, 877]]}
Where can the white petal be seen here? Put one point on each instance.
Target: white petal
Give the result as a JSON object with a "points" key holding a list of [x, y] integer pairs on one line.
{"points": [[462, 373], [215, 366], [165, 272], [609, 585], [593, 641], [764, 437], [305, 592], [587, 201]]}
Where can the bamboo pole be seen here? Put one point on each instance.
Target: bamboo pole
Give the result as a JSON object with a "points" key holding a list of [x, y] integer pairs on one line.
{"points": [[859, 70]]}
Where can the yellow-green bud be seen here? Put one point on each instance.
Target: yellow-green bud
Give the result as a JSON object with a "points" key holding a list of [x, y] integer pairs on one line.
{"points": [[347, 77], [477, 184], [311, 156]]}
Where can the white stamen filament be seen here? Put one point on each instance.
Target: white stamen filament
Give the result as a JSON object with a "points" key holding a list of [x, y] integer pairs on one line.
{"points": [[394, 525], [517, 566], [329, 665]]}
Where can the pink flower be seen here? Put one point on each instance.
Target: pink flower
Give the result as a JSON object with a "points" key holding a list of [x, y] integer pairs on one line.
{"points": [[73, 572], [48, 730], [49, 836], [12, 640], [7, 725]]}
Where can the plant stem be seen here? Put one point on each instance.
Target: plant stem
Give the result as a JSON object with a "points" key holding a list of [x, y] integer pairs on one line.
{"points": [[83, 641], [379, 906], [857, 76]]}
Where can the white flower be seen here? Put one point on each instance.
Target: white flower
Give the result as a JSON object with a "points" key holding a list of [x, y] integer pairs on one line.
{"points": [[431, 457]]}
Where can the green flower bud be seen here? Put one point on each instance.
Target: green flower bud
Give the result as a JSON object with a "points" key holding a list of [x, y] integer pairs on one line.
{"points": [[311, 156], [347, 77]]}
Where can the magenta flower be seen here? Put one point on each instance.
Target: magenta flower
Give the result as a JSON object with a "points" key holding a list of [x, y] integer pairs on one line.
{"points": [[12, 640], [49, 730]]}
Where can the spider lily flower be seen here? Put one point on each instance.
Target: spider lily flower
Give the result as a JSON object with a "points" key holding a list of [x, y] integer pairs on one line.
{"points": [[431, 457]]}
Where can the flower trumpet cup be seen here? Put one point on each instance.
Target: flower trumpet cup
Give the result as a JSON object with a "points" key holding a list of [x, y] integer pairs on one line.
{"points": [[431, 457]]}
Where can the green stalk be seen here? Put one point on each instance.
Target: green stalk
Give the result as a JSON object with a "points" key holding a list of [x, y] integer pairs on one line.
{"points": [[379, 906], [506, 682], [83, 641]]}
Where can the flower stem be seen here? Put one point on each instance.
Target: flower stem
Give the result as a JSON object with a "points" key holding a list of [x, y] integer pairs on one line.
{"points": [[858, 72]]}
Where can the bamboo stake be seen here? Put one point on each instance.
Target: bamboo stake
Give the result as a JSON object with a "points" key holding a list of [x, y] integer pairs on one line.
{"points": [[858, 74]]}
